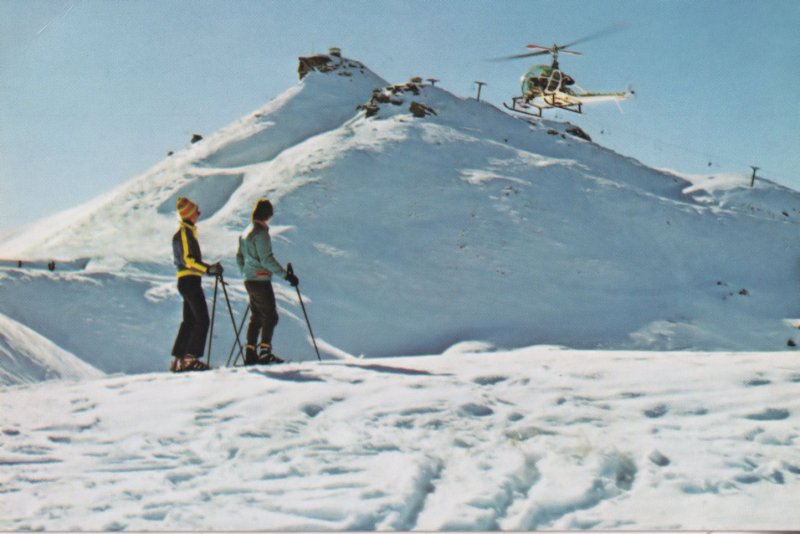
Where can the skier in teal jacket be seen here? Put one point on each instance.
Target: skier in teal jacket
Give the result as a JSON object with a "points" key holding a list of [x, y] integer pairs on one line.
{"points": [[258, 265]]}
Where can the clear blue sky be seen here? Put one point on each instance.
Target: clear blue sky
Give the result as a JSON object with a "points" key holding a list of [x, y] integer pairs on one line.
{"points": [[93, 92]]}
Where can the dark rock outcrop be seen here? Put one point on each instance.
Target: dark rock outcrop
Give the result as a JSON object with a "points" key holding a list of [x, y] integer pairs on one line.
{"points": [[396, 95], [577, 132], [328, 63]]}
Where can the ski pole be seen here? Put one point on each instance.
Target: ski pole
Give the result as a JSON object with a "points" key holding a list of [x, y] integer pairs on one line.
{"points": [[299, 296], [238, 333], [230, 311], [211, 330]]}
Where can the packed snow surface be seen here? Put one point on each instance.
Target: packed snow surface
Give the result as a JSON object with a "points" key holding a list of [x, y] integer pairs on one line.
{"points": [[537, 438]]}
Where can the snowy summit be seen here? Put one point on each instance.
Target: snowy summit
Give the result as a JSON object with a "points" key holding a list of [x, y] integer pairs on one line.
{"points": [[519, 328]]}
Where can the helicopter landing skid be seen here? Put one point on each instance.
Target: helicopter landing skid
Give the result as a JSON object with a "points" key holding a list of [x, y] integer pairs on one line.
{"points": [[516, 109], [518, 105]]}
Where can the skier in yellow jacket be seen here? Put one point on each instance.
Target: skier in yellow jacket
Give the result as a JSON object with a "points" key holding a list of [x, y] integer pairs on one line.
{"points": [[191, 339]]}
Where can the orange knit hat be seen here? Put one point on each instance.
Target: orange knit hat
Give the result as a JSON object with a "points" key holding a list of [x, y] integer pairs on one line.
{"points": [[186, 208]]}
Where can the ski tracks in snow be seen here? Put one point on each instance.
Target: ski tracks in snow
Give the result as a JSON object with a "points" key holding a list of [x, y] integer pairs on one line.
{"points": [[403, 444]]}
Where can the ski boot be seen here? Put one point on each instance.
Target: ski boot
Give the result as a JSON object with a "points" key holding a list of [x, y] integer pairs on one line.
{"points": [[250, 356], [265, 356], [189, 363]]}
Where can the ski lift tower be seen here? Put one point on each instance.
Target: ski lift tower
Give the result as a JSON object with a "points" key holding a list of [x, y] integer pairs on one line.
{"points": [[480, 85], [753, 178]]}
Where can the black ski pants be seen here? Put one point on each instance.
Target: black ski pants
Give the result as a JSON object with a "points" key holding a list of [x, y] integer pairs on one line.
{"points": [[192, 333], [264, 312]]}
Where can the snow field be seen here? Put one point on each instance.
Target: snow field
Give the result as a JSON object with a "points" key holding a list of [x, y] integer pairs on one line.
{"points": [[529, 439]]}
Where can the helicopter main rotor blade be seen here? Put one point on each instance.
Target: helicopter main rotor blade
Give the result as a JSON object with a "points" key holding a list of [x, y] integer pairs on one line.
{"points": [[520, 56], [550, 50], [596, 35], [543, 50]]}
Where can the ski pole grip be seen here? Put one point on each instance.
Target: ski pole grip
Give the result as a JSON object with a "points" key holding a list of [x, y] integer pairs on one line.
{"points": [[289, 268]]}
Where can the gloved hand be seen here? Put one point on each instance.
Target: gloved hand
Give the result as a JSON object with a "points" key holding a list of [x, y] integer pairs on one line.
{"points": [[215, 270], [292, 279]]}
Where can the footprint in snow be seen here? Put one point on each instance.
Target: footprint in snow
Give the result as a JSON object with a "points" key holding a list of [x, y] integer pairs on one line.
{"points": [[178, 478], [659, 459], [217, 407], [631, 395], [255, 435], [693, 488], [75, 427], [489, 380], [82, 405], [776, 477], [31, 461], [312, 410], [755, 382], [792, 468], [33, 450], [526, 433], [656, 411], [747, 478], [770, 414], [206, 419], [621, 469], [476, 410], [423, 410], [159, 515], [753, 434]]}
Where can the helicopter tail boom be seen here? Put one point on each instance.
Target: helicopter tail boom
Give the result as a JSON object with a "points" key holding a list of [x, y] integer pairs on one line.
{"points": [[591, 98]]}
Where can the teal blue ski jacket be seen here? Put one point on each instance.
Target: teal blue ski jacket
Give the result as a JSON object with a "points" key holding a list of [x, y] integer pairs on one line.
{"points": [[255, 257]]}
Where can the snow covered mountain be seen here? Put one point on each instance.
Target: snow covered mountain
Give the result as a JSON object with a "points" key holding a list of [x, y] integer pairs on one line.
{"points": [[416, 220]]}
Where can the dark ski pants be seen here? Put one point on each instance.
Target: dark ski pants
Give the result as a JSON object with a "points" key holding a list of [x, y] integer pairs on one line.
{"points": [[264, 312], [192, 333]]}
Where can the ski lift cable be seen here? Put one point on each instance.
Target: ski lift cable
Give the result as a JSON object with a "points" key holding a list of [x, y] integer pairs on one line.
{"points": [[706, 155]]}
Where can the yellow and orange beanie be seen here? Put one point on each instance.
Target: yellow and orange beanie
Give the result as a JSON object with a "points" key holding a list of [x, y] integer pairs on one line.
{"points": [[186, 208]]}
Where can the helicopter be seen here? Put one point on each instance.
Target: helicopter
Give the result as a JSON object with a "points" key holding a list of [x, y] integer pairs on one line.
{"points": [[547, 86]]}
